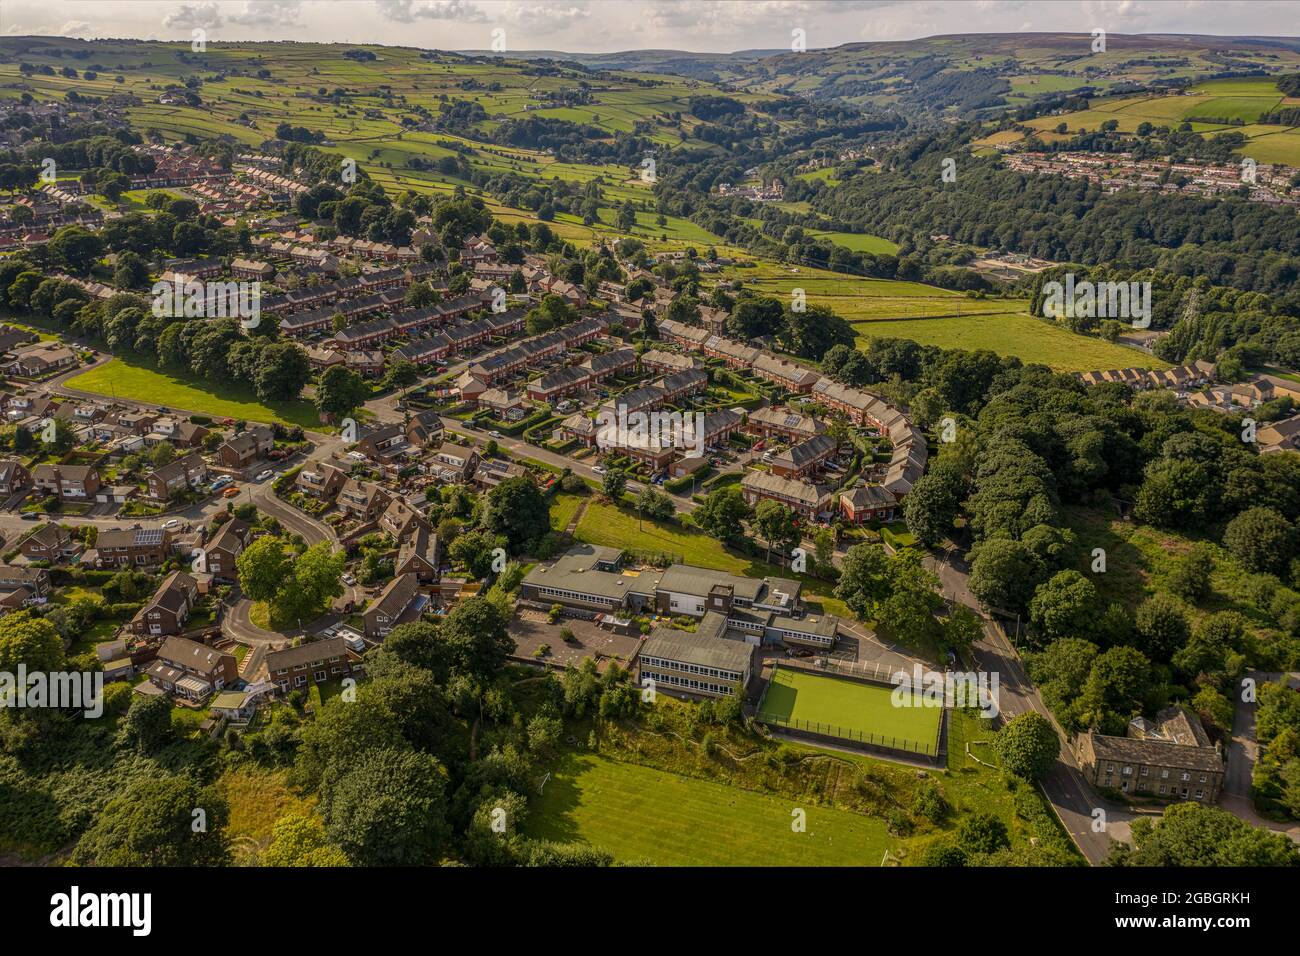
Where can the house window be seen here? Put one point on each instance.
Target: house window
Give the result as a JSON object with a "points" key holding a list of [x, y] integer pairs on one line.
{"points": [[1200, 794], [299, 681]]}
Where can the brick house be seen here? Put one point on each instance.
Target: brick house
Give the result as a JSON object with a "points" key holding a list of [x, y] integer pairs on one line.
{"points": [[177, 476], [320, 480], [399, 603], [224, 548], [169, 608], [316, 662], [245, 448], [70, 482], [132, 547], [14, 476], [50, 542], [192, 670]]}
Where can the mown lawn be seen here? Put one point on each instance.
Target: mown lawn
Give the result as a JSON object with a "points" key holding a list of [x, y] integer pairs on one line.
{"points": [[848, 708], [1030, 339], [640, 814], [563, 508], [179, 390]]}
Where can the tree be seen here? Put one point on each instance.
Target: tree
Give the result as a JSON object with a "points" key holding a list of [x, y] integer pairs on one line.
{"points": [[913, 599], [1261, 539], [982, 833], [1161, 627], [1003, 574], [340, 392], [317, 579], [282, 370], [778, 526], [147, 725], [1191, 834], [29, 640], [655, 504], [474, 549], [961, 629], [1066, 606], [613, 483], [264, 567], [476, 638], [1190, 576], [76, 249], [930, 508], [388, 807], [155, 822], [162, 454], [864, 579], [722, 514], [517, 511], [1118, 683], [1028, 745], [300, 841], [420, 644]]}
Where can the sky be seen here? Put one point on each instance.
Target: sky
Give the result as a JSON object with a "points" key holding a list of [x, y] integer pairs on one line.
{"points": [[603, 26]]}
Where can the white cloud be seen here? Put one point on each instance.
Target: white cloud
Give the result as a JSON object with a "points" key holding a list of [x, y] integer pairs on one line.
{"points": [[408, 11], [74, 28], [284, 13], [189, 15]]}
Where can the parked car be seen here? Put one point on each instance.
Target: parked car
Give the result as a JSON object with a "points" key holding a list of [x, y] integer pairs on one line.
{"points": [[221, 482], [30, 516], [349, 580], [231, 492], [495, 434], [356, 456], [264, 475], [171, 522], [598, 469]]}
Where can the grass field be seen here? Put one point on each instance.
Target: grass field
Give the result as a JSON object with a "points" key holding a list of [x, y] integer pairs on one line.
{"points": [[123, 379], [640, 814], [1209, 106], [845, 708], [1032, 340], [563, 508]]}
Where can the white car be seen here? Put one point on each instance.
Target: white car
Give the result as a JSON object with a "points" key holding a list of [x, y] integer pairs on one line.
{"points": [[264, 475], [597, 469], [349, 580], [495, 434], [356, 456], [221, 482], [171, 523]]}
